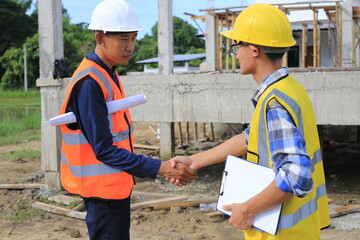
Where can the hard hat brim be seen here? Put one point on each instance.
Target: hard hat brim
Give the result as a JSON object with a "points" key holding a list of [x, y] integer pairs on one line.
{"points": [[116, 30], [228, 34]]}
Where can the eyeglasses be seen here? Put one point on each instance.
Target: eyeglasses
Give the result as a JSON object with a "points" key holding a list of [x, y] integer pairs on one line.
{"points": [[234, 48]]}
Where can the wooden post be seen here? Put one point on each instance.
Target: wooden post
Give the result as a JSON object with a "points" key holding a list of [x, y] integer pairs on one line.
{"points": [[220, 44], [315, 32], [303, 45], [196, 132], [318, 44], [339, 34], [217, 42], [227, 55], [212, 131], [356, 39], [187, 132], [180, 134], [233, 56], [204, 130]]}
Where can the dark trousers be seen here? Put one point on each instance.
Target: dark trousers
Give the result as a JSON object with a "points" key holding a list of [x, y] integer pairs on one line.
{"points": [[108, 219]]}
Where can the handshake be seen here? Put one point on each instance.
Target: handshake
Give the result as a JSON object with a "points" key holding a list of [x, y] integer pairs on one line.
{"points": [[179, 170]]}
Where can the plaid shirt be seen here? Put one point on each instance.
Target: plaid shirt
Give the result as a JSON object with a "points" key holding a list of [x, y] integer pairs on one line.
{"points": [[289, 159]]}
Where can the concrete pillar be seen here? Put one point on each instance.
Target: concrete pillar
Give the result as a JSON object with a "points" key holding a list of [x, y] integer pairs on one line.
{"points": [[50, 35], [51, 48], [165, 55], [210, 43], [165, 37], [347, 34]]}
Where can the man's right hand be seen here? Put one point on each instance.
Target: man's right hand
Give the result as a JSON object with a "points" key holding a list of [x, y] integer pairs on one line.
{"points": [[187, 160], [182, 172]]}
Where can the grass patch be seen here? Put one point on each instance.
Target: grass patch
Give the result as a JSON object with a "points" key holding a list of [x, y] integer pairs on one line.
{"points": [[10, 99], [29, 135], [20, 94], [22, 155], [20, 116], [24, 213], [23, 129]]}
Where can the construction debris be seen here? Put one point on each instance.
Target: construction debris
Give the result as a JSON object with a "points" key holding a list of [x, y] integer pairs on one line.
{"points": [[66, 200], [21, 186], [340, 211], [180, 204], [147, 146], [214, 214], [158, 201], [59, 210]]}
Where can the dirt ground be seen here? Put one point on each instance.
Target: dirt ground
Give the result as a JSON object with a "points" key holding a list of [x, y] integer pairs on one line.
{"points": [[19, 221]]}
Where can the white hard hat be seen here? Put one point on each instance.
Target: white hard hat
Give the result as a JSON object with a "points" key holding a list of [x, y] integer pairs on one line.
{"points": [[114, 16]]}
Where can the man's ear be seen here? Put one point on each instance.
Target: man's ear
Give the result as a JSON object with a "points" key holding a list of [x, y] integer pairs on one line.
{"points": [[100, 38], [255, 50]]}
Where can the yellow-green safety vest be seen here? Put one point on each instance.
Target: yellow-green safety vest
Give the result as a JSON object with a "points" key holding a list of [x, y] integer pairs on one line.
{"points": [[301, 218]]}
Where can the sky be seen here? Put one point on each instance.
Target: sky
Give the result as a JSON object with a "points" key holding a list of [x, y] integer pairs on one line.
{"points": [[81, 10]]}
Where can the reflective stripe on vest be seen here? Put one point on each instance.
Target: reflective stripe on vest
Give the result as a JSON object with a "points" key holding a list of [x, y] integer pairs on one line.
{"points": [[79, 138], [263, 153], [89, 170], [288, 221], [98, 74]]}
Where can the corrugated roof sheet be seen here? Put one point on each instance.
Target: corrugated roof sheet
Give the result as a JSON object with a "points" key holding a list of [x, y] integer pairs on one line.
{"points": [[177, 58]]}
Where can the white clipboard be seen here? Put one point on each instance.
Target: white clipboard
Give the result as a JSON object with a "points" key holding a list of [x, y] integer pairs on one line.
{"points": [[241, 181]]}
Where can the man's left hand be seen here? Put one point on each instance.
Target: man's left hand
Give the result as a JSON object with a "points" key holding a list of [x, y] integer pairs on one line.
{"points": [[240, 217]]}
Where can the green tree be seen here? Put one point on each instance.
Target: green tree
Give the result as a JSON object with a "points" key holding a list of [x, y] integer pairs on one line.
{"points": [[78, 41], [13, 63], [15, 24]]}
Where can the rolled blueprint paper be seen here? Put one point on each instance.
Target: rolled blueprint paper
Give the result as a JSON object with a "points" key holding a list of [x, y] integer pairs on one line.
{"points": [[113, 106]]}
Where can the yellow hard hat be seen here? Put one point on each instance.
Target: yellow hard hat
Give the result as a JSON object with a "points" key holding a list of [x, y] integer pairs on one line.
{"points": [[264, 25]]}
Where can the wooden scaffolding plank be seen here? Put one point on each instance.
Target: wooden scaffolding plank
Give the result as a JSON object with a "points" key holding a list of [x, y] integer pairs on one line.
{"points": [[59, 210], [21, 186], [303, 45], [158, 201], [182, 204]]}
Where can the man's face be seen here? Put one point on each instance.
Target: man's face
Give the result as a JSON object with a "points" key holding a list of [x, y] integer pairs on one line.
{"points": [[118, 48]]}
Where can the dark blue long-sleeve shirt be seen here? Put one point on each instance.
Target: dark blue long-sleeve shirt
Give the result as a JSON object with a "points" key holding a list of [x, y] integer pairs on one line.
{"points": [[88, 104]]}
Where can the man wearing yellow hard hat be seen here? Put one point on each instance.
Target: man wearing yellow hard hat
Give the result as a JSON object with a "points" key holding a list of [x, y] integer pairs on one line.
{"points": [[282, 133]]}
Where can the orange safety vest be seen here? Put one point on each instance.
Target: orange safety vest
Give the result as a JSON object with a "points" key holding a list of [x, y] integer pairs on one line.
{"points": [[81, 172]]}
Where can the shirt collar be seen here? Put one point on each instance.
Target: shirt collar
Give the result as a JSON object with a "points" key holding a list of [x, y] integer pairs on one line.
{"points": [[95, 58], [269, 80]]}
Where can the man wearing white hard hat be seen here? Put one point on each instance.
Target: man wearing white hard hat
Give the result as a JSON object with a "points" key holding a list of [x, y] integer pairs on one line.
{"points": [[97, 159]]}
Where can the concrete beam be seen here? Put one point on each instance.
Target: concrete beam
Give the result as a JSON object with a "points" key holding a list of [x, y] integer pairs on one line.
{"points": [[225, 98]]}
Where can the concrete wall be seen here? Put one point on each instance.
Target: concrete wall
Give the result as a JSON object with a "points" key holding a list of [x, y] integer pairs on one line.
{"points": [[225, 98]]}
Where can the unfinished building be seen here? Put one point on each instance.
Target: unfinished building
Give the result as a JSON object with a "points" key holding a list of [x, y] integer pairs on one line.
{"points": [[219, 94]]}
